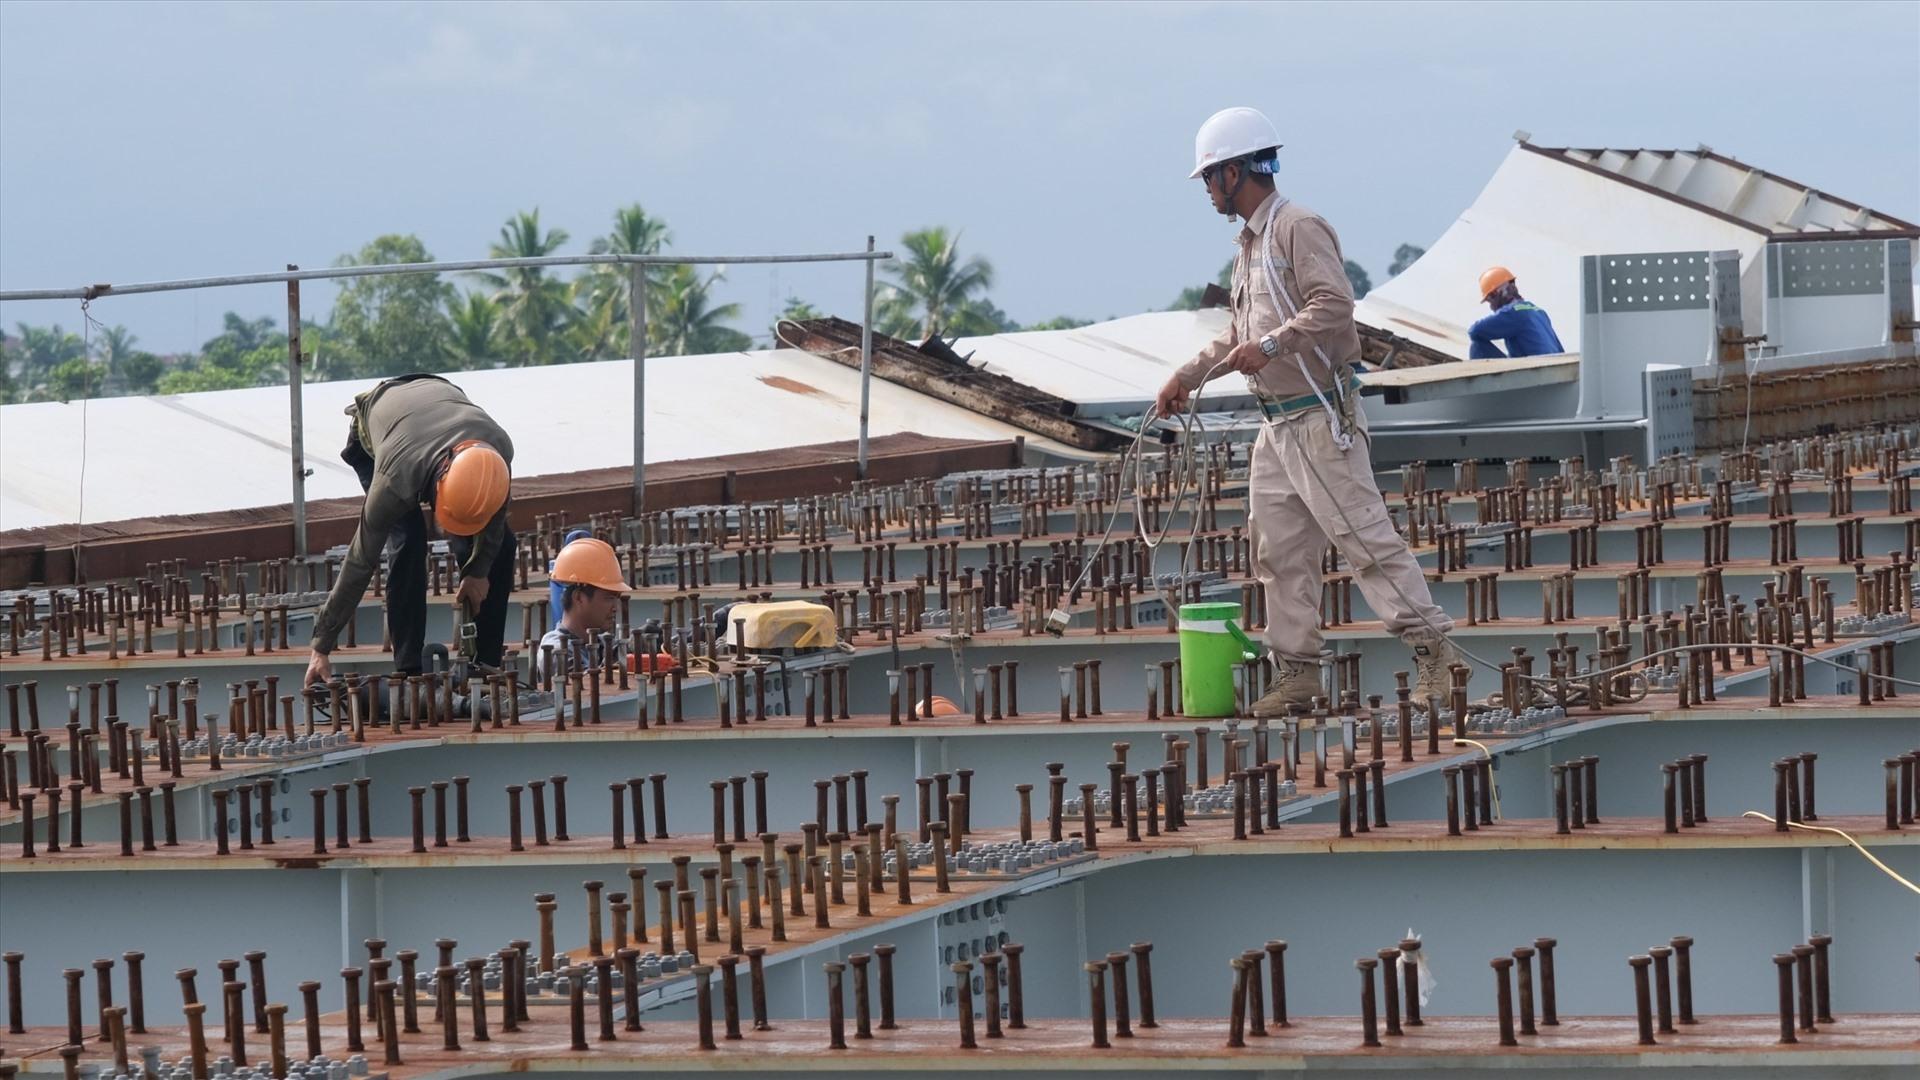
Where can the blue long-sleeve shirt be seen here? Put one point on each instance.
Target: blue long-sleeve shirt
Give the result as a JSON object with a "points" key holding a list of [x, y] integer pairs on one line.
{"points": [[1524, 327]]}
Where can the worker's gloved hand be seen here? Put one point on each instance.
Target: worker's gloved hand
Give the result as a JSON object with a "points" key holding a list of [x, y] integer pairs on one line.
{"points": [[472, 593], [1171, 401], [319, 669]]}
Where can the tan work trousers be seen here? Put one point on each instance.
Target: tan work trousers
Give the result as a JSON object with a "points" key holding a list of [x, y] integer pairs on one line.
{"points": [[1295, 506]]}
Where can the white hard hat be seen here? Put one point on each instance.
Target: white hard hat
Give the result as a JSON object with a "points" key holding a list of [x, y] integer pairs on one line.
{"points": [[1232, 133]]}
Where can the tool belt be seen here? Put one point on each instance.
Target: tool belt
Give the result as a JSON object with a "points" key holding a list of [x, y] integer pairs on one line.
{"points": [[1278, 408]]}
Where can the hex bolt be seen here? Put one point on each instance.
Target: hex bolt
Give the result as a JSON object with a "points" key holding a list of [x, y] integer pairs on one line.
{"points": [[136, 992], [630, 978], [383, 991], [103, 984], [836, 1007], [351, 976], [729, 997], [1803, 966], [415, 795], [1643, 998], [577, 1007], [196, 1042], [1503, 985], [1783, 968], [310, 1012], [1097, 1001], [1823, 1003], [410, 1014], [1668, 801], [1663, 987], [364, 791], [1390, 987], [1549, 1010], [963, 1002]]}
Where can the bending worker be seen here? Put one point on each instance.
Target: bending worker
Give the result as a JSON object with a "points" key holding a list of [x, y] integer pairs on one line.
{"points": [[1523, 326], [1292, 336], [418, 445], [588, 574]]}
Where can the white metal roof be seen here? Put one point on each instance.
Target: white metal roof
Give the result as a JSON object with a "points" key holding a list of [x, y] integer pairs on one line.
{"points": [[1721, 185], [1102, 367], [196, 453], [1543, 209], [1537, 216]]}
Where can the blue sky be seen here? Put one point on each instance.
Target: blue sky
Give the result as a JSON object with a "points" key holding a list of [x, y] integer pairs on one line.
{"points": [[153, 140]]}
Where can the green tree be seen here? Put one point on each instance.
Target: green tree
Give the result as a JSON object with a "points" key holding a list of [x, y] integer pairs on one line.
{"points": [[1357, 277], [9, 392], [799, 310], [473, 338], [390, 324], [1404, 256], [1059, 322], [979, 316], [140, 372], [934, 284], [604, 291], [686, 321], [535, 307], [112, 348], [1189, 298], [248, 352], [73, 379], [41, 349]]}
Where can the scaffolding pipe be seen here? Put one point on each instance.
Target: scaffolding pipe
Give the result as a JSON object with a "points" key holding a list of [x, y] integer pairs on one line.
{"points": [[637, 345], [94, 292], [866, 365], [297, 436]]}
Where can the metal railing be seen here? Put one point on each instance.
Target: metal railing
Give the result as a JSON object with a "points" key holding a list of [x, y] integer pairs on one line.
{"points": [[637, 301]]}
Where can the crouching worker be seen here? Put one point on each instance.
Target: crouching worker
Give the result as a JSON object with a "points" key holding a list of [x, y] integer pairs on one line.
{"points": [[418, 444], [591, 585]]}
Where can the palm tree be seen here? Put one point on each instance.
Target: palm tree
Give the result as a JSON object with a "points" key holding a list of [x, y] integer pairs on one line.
{"points": [[686, 322], [474, 342], [604, 290], [114, 347], [535, 308], [43, 348], [934, 282]]}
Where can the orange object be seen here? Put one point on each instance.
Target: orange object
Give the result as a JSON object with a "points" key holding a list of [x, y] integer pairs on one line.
{"points": [[1493, 278], [653, 663], [943, 707], [472, 490], [588, 561]]}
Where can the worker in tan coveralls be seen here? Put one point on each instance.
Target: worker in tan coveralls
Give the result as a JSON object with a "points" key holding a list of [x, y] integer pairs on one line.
{"points": [[1292, 336]]}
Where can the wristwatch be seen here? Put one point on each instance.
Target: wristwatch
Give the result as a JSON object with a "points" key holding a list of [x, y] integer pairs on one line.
{"points": [[1269, 347]]}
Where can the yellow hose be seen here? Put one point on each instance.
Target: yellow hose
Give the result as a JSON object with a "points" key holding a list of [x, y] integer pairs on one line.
{"points": [[1884, 868]]}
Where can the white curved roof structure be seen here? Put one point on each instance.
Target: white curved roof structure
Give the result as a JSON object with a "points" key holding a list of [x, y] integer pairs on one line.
{"points": [[1545, 208]]}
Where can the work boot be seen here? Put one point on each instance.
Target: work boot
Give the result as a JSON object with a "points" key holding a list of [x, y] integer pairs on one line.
{"points": [[1294, 683], [1433, 658]]}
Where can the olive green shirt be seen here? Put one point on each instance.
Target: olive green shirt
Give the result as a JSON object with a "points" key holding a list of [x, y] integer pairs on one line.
{"points": [[408, 426]]}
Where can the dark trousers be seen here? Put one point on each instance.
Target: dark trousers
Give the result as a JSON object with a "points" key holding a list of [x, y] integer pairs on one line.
{"points": [[406, 552]]}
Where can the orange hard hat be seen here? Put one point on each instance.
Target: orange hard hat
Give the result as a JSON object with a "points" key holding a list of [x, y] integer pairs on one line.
{"points": [[1493, 278], [472, 490], [944, 707], [587, 561]]}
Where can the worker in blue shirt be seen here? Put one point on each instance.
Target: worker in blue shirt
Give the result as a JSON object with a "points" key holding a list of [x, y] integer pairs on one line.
{"points": [[1523, 326]]}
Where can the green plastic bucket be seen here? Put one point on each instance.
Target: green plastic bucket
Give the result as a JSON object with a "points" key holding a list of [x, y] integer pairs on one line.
{"points": [[1211, 646]]}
